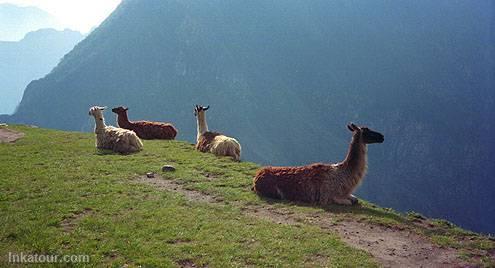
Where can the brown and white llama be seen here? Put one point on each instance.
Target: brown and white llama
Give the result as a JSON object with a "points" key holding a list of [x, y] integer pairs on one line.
{"points": [[214, 142], [145, 129], [319, 183]]}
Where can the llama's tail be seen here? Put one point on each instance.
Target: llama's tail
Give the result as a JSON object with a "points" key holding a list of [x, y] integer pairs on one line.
{"points": [[235, 152], [235, 149]]}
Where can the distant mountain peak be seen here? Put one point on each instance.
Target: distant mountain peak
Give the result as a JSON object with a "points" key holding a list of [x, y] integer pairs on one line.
{"points": [[16, 21], [31, 58], [50, 32]]}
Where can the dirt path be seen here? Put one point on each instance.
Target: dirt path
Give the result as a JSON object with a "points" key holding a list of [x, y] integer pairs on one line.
{"points": [[390, 247], [69, 223], [8, 136]]}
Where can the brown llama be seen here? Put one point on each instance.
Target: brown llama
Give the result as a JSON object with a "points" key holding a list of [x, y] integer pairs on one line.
{"points": [[214, 142], [145, 129], [319, 183]]}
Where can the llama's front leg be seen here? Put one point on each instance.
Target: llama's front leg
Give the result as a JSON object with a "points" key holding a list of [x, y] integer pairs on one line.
{"points": [[353, 199], [342, 201]]}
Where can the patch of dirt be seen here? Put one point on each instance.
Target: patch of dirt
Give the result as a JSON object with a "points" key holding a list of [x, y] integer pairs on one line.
{"points": [[178, 241], [187, 264], [70, 223], [169, 185], [317, 260], [492, 253], [209, 176], [391, 247], [112, 254], [9, 136]]}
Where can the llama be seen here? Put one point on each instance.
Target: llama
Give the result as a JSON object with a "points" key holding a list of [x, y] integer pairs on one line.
{"points": [[111, 138], [145, 129], [214, 142], [319, 183]]}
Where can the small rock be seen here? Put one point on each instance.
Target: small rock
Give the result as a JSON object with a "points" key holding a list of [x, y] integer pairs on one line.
{"points": [[168, 168], [150, 175]]}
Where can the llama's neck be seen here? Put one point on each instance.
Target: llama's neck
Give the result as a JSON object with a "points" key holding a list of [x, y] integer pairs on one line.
{"points": [[355, 163], [123, 120], [99, 123], [202, 126]]}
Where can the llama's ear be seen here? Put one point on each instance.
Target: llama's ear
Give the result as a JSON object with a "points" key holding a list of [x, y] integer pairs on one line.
{"points": [[206, 108], [352, 127], [125, 108]]}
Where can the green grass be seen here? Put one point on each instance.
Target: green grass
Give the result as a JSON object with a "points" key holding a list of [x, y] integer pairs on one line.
{"points": [[49, 176]]}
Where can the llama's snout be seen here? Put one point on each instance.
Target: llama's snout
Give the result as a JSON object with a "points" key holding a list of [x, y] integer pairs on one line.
{"points": [[381, 138]]}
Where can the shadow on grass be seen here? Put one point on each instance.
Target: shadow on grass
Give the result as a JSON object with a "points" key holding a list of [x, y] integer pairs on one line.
{"points": [[103, 152], [359, 209], [364, 210]]}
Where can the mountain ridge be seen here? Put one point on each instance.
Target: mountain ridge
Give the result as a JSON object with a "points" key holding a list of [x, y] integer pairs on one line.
{"points": [[30, 58]]}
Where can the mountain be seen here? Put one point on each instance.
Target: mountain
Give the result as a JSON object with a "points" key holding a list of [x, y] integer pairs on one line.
{"points": [[285, 77], [31, 58], [16, 21]]}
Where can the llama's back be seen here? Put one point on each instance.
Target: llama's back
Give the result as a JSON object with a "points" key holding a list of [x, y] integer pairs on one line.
{"points": [[219, 144], [205, 141], [226, 146], [154, 130], [304, 183], [129, 142], [119, 140]]}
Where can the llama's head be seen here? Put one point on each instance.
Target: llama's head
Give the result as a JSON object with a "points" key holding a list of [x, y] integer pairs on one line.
{"points": [[199, 110], [365, 134], [97, 111], [120, 110]]}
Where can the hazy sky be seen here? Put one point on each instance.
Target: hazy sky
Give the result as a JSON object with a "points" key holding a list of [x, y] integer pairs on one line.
{"points": [[80, 15]]}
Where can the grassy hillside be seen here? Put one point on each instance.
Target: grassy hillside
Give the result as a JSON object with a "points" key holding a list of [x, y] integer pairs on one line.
{"points": [[59, 195]]}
